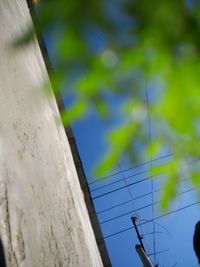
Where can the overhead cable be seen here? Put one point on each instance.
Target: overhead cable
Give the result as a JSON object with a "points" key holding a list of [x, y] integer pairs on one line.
{"points": [[151, 167], [144, 207], [156, 218], [128, 169], [139, 181], [128, 201], [136, 174], [120, 180], [120, 188]]}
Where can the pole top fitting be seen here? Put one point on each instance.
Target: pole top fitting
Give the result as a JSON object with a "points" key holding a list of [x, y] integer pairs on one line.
{"points": [[134, 218]]}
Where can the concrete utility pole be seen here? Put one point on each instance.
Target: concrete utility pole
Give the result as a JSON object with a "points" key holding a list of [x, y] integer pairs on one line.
{"points": [[140, 248], [43, 217]]}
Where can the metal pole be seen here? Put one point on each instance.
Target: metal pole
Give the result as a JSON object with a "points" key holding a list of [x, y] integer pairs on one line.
{"points": [[144, 258], [134, 218], [140, 248]]}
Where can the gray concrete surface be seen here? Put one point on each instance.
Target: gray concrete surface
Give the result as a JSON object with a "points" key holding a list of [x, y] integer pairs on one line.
{"points": [[43, 217]]}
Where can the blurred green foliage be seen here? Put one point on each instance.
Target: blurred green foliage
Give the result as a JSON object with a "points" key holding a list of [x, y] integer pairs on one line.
{"points": [[125, 47]]}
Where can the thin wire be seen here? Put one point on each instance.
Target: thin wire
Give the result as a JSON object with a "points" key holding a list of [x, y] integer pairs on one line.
{"points": [[151, 167], [143, 207], [128, 169], [125, 202], [120, 180], [128, 201], [150, 233], [120, 188], [143, 234], [139, 181], [129, 212], [158, 252], [119, 232], [164, 228], [129, 192], [127, 187], [171, 212], [156, 218]]}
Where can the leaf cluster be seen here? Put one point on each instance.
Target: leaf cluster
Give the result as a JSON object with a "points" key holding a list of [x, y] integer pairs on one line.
{"points": [[127, 47]]}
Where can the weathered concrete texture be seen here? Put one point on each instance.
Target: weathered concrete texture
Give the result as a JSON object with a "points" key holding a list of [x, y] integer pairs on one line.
{"points": [[43, 218]]}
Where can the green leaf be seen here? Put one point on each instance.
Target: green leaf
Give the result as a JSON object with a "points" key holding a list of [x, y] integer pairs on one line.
{"points": [[169, 191], [75, 112]]}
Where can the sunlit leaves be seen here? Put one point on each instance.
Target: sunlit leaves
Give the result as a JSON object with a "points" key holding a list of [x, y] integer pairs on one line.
{"points": [[165, 46], [74, 112], [119, 140], [171, 170], [153, 149], [196, 179], [70, 47], [170, 188]]}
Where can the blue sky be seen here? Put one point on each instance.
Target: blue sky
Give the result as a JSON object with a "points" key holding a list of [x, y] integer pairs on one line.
{"points": [[173, 232]]}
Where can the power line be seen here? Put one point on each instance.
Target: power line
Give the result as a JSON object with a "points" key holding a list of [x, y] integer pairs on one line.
{"points": [[164, 228], [150, 233], [171, 212], [156, 218], [129, 212], [151, 167], [120, 180], [136, 174], [144, 207], [128, 188], [158, 252], [119, 232], [128, 201], [132, 198], [120, 188], [128, 169], [139, 181]]}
